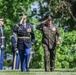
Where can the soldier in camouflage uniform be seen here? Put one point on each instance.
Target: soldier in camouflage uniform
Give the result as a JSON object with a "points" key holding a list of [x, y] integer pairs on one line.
{"points": [[49, 32]]}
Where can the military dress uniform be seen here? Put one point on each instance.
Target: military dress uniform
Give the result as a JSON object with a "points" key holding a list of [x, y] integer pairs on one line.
{"points": [[49, 33], [15, 62], [2, 45], [24, 44]]}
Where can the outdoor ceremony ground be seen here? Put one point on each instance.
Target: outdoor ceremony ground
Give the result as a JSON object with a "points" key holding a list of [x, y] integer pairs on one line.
{"points": [[39, 72]]}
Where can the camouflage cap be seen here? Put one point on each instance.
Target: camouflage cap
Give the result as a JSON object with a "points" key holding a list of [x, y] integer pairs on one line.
{"points": [[50, 18]]}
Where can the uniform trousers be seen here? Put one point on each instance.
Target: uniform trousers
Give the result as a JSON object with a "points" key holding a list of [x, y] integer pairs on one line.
{"points": [[49, 58], [1, 58], [24, 58], [15, 62]]}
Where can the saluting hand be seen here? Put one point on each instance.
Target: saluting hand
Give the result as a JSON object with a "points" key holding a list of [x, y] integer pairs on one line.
{"points": [[16, 50], [21, 21], [44, 21]]}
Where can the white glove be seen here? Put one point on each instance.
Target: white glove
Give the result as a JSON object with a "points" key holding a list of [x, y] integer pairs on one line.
{"points": [[16, 51], [2, 46], [21, 21]]}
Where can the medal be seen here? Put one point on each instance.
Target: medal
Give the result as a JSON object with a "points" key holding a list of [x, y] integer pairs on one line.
{"points": [[28, 29]]}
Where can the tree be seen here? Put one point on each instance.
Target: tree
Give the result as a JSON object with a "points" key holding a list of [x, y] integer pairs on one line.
{"points": [[63, 12]]}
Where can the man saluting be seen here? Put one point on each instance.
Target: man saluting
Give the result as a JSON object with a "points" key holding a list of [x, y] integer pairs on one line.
{"points": [[49, 32], [26, 36]]}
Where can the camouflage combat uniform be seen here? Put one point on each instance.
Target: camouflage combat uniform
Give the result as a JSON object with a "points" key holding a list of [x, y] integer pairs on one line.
{"points": [[49, 33]]}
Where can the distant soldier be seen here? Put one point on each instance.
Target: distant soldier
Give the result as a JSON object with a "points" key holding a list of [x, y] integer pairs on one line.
{"points": [[25, 38], [49, 32], [15, 62], [2, 43]]}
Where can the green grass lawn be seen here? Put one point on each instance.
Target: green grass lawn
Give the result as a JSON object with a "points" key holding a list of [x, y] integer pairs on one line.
{"points": [[39, 72]]}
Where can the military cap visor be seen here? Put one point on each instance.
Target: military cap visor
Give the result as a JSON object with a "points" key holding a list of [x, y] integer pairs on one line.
{"points": [[50, 19]]}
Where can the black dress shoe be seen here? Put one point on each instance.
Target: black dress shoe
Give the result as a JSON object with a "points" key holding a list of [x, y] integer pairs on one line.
{"points": [[27, 70], [52, 69], [47, 70]]}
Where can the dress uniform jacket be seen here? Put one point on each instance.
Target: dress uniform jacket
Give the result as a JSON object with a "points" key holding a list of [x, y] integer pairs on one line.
{"points": [[2, 38], [24, 38], [49, 33]]}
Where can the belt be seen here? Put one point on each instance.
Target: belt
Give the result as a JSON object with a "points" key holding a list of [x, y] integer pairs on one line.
{"points": [[2, 37], [24, 37]]}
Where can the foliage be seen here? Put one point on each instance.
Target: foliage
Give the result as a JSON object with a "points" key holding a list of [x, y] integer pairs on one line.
{"points": [[8, 63], [66, 52]]}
